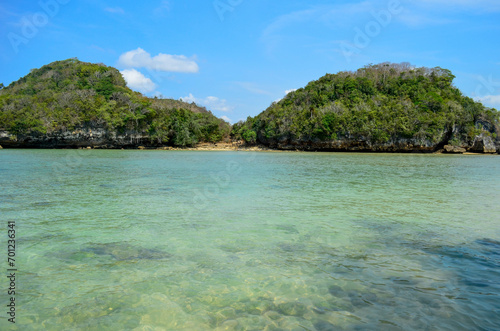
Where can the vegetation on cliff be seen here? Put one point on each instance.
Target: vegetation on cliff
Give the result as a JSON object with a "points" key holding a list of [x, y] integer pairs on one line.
{"points": [[69, 94], [378, 104]]}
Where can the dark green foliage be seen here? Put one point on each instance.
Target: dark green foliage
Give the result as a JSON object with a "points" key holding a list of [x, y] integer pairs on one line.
{"points": [[66, 94], [377, 103], [105, 86]]}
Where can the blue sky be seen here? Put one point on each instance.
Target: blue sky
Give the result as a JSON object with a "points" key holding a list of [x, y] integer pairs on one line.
{"points": [[238, 56]]}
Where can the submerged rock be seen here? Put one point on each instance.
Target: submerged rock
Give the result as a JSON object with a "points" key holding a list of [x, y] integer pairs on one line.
{"points": [[359, 302], [325, 326], [290, 247], [229, 325], [287, 228], [336, 291], [88, 310], [225, 314], [320, 310], [123, 252], [489, 242], [292, 308], [259, 306], [273, 316], [362, 299]]}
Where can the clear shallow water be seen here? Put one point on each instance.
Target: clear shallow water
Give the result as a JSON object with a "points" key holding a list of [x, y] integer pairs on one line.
{"points": [[154, 240]]}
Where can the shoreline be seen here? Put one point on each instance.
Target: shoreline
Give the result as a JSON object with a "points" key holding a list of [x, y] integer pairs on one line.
{"points": [[239, 147]]}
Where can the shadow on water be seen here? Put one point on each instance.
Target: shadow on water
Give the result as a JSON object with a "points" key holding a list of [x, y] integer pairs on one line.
{"points": [[493, 246], [459, 282], [116, 251], [474, 270], [480, 260], [107, 186]]}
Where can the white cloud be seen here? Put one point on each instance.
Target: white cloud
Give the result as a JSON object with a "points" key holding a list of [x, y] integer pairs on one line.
{"points": [[139, 58], [189, 98], [137, 81], [490, 100], [212, 103], [286, 93], [227, 119], [115, 10]]}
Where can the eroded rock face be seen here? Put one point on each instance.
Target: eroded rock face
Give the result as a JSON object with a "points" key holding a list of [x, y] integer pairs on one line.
{"points": [[359, 145], [81, 137], [5, 137], [454, 149], [483, 144], [98, 137]]}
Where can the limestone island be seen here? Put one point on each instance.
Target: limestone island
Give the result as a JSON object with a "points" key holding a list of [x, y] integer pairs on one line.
{"points": [[379, 108]]}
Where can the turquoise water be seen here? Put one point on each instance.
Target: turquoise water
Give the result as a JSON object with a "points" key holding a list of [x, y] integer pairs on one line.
{"points": [[156, 240]]}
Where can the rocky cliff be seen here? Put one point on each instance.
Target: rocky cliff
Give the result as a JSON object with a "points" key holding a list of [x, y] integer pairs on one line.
{"points": [[77, 138], [481, 144]]}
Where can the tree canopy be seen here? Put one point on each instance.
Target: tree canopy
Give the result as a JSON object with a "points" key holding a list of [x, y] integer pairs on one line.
{"points": [[377, 103], [68, 94]]}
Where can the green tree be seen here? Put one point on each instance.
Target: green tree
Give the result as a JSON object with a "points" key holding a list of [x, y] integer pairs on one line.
{"points": [[67, 94], [375, 104]]}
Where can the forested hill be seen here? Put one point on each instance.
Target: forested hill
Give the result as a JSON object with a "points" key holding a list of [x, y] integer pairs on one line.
{"points": [[384, 107], [72, 103]]}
